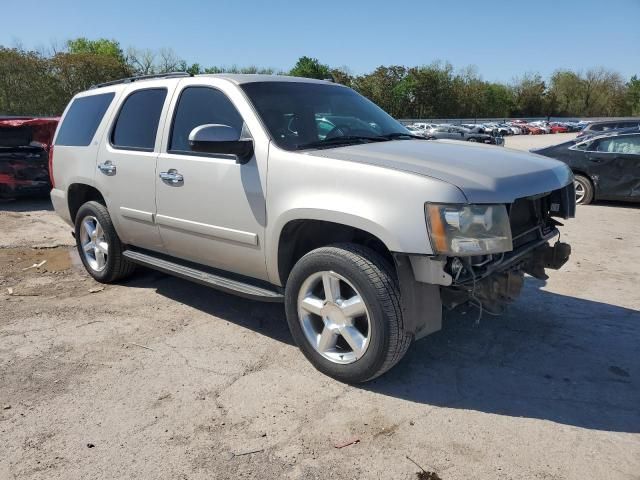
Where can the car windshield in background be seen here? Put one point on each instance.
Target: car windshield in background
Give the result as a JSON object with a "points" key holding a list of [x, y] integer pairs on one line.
{"points": [[302, 115]]}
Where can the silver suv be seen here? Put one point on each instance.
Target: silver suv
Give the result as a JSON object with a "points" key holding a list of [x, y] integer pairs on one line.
{"points": [[301, 191]]}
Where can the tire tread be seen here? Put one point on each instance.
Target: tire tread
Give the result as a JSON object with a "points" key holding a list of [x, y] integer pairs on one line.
{"points": [[383, 279], [122, 268]]}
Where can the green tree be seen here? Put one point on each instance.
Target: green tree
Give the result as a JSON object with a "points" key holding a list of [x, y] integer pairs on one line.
{"points": [[101, 46], [310, 68], [25, 83], [387, 87], [75, 72], [342, 76], [499, 100], [530, 96], [632, 97]]}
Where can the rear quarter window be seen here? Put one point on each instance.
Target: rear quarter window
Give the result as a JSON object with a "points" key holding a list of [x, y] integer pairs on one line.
{"points": [[82, 120]]}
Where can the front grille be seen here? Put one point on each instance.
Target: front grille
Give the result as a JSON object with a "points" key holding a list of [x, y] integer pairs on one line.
{"points": [[529, 219]]}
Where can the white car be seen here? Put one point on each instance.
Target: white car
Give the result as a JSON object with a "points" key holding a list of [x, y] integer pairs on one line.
{"points": [[415, 130], [515, 129], [542, 125]]}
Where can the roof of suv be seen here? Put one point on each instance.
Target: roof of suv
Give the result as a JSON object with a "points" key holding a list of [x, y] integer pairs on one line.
{"points": [[237, 78], [240, 78]]}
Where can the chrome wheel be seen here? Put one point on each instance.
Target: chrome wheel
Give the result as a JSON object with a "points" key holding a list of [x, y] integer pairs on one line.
{"points": [[93, 243], [334, 317], [580, 191]]}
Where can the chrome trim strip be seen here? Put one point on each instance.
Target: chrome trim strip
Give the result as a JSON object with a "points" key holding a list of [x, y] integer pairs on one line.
{"points": [[223, 233], [134, 214]]}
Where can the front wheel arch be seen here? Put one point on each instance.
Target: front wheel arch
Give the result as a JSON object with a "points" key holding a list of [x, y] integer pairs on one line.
{"points": [[298, 237]]}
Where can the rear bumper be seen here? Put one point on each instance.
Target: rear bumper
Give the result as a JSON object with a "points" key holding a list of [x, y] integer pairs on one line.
{"points": [[60, 204]]}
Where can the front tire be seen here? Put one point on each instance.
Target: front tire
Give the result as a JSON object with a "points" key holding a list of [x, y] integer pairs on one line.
{"points": [[584, 190], [98, 244], [343, 309]]}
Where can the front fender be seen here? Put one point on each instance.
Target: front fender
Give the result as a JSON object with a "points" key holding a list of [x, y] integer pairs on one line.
{"points": [[387, 203]]}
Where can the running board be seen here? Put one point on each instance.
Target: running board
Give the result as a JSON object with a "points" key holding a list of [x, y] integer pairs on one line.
{"points": [[213, 280]]}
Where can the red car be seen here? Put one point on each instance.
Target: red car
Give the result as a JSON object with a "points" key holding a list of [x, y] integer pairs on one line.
{"points": [[533, 130], [24, 156], [558, 128]]}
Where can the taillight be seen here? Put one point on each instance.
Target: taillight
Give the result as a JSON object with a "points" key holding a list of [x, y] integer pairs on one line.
{"points": [[51, 166]]}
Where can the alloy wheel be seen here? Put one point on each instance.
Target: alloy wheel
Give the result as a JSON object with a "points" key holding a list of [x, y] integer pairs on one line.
{"points": [[334, 317], [580, 191], [93, 243]]}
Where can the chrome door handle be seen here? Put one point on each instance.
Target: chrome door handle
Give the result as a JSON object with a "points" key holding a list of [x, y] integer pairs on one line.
{"points": [[172, 177], [107, 168]]}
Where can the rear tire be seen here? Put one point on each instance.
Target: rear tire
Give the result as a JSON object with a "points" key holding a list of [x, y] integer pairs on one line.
{"points": [[584, 190], [358, 272], [99, 246]]}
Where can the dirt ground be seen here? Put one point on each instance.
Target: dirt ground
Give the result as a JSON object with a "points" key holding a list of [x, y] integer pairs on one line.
{"points": [[158, 378]]}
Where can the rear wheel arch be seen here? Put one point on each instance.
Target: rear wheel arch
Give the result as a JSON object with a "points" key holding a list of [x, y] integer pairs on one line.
{"points": [[80, 193]]}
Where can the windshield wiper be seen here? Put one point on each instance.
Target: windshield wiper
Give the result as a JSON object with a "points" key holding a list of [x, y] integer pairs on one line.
{"points": [[346, 140], [397, 135]]}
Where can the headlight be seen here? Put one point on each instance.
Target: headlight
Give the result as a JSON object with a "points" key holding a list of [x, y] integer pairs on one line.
{"points": [[459, 230]]}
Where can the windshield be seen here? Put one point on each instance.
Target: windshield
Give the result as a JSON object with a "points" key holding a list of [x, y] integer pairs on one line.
{"points": [[307, 115]]}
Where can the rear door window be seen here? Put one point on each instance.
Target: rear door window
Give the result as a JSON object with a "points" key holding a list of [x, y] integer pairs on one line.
{"points": [[82, 120], [137, 123]]}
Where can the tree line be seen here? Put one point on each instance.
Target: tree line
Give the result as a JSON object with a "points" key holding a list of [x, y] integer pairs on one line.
{"points": [[42, 82]]}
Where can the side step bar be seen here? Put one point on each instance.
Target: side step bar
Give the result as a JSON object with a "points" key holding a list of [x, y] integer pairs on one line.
{"points": [[209, 279]]}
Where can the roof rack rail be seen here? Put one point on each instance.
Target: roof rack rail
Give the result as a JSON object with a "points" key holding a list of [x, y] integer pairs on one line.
{"points": [[142, 77]]}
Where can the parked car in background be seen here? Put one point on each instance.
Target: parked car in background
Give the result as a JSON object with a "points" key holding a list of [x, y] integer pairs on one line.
{"points": [[574, 126], [608, 125], [505, 129], [558, 128], [605, 167], [425, 127], [515, 129], [24, 156], [534, 129], [452, 132], [616, 131], [415, 130], [542, 125]]}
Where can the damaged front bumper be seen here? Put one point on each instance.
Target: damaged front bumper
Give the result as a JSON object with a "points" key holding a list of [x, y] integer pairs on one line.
{"points": [[499, 281], [427, 283]]}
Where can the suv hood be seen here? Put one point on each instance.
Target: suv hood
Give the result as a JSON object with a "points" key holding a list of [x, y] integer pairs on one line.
{"points": [[484, 173]]}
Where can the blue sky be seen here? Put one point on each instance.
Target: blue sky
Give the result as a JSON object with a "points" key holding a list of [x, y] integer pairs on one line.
{"points": [[502, 38]]}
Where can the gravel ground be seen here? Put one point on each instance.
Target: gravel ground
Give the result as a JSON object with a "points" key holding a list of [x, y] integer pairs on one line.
{"points": [[159, 378]]}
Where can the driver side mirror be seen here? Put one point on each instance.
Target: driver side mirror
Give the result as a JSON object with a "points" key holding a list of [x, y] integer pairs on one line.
{"points": [[223, 139]]}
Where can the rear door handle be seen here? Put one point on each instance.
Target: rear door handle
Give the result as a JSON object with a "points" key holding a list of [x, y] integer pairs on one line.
{"points": [[172, 177], [108, 168]]}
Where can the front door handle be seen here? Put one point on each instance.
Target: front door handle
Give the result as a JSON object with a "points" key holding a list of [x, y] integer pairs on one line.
{"points": [[172, 177], [108, 168]]}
